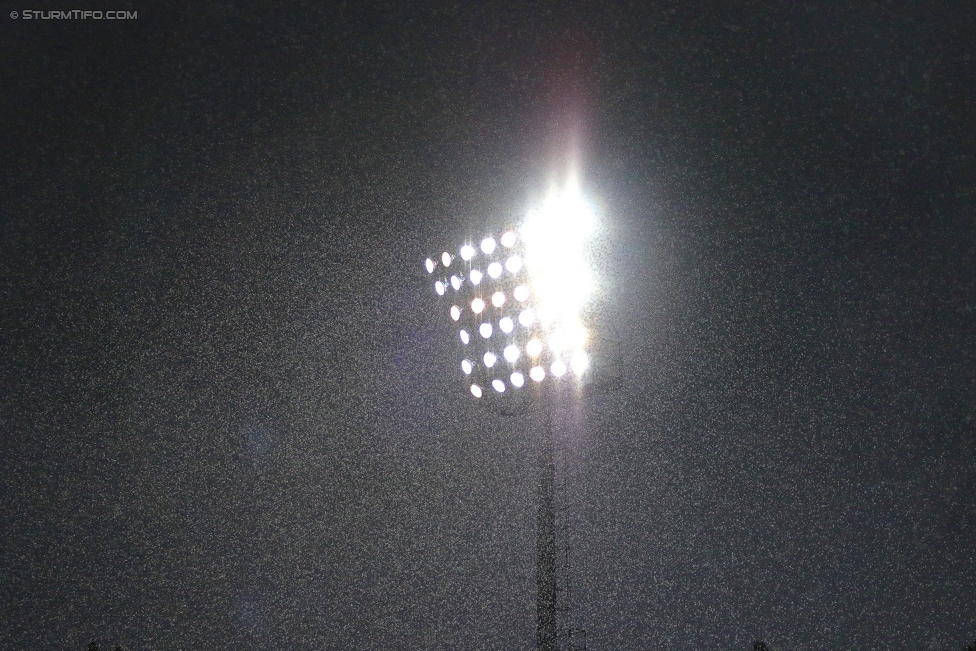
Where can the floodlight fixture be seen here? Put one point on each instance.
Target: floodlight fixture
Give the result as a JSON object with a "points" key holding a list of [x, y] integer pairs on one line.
{"points": [[498, 385], [524, 295], [490, 359], [476, 391], [517, 380], [466, 366]]}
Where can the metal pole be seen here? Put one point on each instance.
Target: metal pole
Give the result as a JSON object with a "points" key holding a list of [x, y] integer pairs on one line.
{"points": [[546, 542]]}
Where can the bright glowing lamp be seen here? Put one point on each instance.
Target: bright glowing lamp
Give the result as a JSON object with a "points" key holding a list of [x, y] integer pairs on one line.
{"points": [[430, 265], [538, 374], [579, 363], [527, 317], [477, 306], [506, 324], [490, 359], [439, 288], [455, 283], [467, 252], [455, 312], [509, 239], [517, 380], [465, 337], [466, 367], [488, 245], [521, 293], [485, 330], [446, 259], [511, 353], [555, 236], [498, 299], [475, 390], [475, 277], [558, 368], [534, 348], [513, 264], [498, 385], [494, 270]]}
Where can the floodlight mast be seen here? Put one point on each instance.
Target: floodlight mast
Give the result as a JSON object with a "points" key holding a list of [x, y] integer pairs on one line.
{"points": [[487, 284]]}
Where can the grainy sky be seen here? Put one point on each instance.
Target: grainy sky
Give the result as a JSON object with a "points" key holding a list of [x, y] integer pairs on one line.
{"points": [[229, 414]]}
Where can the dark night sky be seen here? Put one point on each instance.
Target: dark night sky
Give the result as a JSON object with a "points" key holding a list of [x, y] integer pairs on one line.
{"points": [[228, 416]]}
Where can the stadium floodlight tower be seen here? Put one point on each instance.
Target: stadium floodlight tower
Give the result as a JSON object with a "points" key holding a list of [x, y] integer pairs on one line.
{"points": [[517, 304]]}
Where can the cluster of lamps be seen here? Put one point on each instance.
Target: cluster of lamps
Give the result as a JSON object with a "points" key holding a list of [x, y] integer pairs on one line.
{"points": [[516, 302]]}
